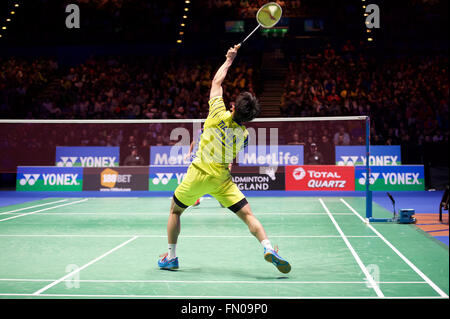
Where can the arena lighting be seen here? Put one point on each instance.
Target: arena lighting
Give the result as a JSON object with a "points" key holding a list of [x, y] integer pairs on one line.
{"points": [[16, 5], [179, 41], [12, 12], [8, 20], [3, 28], [184, 17], [369, 39], [182, 24], [186, 9], [187, 1]]}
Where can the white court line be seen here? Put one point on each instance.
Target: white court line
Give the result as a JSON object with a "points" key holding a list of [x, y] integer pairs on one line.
{"points": [[190, 214], [214, 281], [181, 236], [406, 260], [44, 209], [69, 275], [206, 296], [355, 255], [29, 207]]}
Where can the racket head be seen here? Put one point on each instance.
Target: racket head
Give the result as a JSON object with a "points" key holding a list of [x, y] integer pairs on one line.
{"points": [[269, 14]]}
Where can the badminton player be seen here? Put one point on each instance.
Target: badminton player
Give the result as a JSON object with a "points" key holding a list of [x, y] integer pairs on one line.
{"points": [[223, 136]]}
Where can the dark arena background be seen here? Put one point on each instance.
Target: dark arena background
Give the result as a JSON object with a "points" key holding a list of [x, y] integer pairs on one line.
{"points": [[347, 166]]}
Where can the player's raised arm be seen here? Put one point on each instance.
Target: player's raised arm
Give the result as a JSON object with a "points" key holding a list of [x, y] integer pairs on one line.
{"points": [[216, 87]]}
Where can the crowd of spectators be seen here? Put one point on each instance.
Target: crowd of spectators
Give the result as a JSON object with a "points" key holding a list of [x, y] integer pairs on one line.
{"points": [[406, 97], [248, 8], [116, 87]]}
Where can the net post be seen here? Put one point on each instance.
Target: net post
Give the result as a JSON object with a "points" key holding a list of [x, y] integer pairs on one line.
{"points": [[368, 191]]}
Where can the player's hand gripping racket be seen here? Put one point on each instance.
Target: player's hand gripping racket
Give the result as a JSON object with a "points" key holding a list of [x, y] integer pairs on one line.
{"points": [[267, 16]]}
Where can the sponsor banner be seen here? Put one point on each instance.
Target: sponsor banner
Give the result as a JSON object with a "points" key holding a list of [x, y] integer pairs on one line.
{"points": [[47, 178], [271, 155], [87, 156], [119, 179], [258, 178], [391, 178], [320, 178], [169, 156], [165, 178], [380, 155]]}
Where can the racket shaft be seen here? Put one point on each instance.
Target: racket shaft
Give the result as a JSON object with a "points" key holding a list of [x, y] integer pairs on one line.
{"points": [[250, 34]]}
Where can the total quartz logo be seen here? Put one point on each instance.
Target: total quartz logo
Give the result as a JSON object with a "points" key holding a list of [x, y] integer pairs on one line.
{"points": [[320, 178]]}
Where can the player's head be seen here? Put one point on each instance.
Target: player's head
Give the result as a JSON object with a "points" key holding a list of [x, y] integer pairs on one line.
{"points": [[246, 108]]}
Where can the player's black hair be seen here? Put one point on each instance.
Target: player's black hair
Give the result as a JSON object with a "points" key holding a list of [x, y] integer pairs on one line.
{"points": [[246, 108]]}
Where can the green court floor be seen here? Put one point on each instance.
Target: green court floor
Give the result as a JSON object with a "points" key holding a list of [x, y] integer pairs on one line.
{"points": [[108, 248]]}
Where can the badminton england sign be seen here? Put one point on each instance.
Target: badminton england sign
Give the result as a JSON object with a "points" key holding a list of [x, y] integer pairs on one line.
{"points": [[380, 155], [47, 178], [87, 156]]}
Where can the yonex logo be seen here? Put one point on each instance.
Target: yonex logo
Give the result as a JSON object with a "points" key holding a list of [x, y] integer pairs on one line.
{"points": [[87, 161], [375, 160], [348, 160], [165, 178], [373, 178], [67, 161], [29, 179], [299, 173], [50, 179], [393, 178]]}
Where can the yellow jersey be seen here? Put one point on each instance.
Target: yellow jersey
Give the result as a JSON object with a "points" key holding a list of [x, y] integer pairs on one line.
{"points": [[220, 141]]}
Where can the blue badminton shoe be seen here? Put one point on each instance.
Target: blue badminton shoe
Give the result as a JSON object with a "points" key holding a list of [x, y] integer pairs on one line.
{"points": [[271, 256], [168, 264]]}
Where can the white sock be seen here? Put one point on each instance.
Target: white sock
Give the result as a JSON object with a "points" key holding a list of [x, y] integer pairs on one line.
{"points": [[172, 254], [266, 244]]}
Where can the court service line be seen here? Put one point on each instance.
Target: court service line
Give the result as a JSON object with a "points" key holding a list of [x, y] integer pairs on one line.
{"points": [[406, 260], [29, 207], [44, 209], [212, 281], [355, 255], [181, 236], [69, 275], [191, 214]]}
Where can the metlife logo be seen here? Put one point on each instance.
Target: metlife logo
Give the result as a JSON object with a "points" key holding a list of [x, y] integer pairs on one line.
{"points": [[166, 156], [266, 155], [49, 179]]}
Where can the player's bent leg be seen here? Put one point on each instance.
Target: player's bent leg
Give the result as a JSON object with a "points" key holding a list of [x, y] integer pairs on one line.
{"points": [[253, 224], [257, 230]]}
